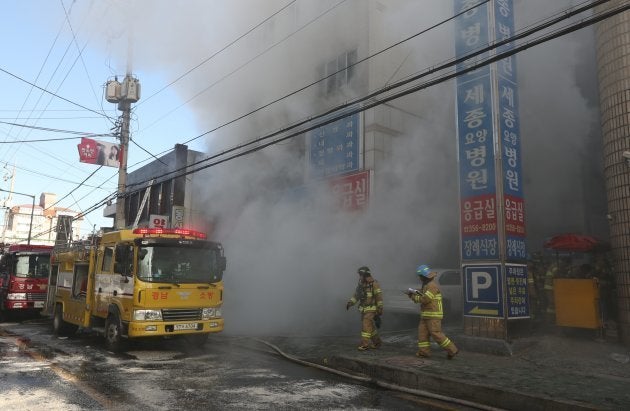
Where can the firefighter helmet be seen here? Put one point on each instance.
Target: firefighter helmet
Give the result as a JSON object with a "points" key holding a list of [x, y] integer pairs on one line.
{"points": [[424, 271], [364, 271]]}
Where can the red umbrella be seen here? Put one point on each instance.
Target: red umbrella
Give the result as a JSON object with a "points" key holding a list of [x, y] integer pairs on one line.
{"points": [[572, 242]]}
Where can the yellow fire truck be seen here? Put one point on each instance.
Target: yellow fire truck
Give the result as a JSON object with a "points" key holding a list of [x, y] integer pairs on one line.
{"points": [[138, 283]]}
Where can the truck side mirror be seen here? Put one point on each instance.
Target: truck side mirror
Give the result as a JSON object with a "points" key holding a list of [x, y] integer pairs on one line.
{"points": [[222, 263]]}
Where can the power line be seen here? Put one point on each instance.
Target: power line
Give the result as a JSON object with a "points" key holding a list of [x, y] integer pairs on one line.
{"points": [[216, 53], [49, 176], [247, 63], [445, 77], [56, 130], [53, 94], [315, 82], [373, 96], [338, 71], [80, 51]]}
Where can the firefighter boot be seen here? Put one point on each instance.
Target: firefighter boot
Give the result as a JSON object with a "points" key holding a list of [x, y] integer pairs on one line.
{"points": [[452, 355], [377, 342]]}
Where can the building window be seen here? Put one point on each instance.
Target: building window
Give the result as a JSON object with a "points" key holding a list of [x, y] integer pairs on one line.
{"points": [[341, 71]]}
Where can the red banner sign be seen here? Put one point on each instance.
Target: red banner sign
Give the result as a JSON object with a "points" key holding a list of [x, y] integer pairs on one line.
{"points": [[352, 191]]}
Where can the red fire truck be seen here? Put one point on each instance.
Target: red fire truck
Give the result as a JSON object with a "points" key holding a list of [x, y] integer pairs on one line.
{"points": [[24, 273]]}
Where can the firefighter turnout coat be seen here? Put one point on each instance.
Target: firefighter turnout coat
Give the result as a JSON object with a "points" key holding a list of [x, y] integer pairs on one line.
{"points": [[430, 300], [370, 298]]}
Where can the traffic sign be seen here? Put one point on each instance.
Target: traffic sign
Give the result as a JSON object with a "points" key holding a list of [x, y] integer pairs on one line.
{"points": [[483, 287]]}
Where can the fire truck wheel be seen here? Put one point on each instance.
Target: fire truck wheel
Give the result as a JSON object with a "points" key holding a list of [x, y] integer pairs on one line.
{"points": [[113, 329], [60, 327]]}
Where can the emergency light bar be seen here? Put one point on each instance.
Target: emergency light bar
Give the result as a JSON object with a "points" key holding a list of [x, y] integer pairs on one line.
{"points": [[176, 231]]}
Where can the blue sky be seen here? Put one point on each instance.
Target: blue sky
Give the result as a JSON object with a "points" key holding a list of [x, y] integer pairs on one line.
{"points": [[37, 46]]}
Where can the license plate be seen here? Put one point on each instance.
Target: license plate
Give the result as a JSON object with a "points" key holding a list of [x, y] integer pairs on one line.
{"points": [[191, 326], [38, 304]]}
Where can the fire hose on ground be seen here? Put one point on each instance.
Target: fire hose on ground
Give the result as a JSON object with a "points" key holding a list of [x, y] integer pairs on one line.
{"points": [[379, 383]]}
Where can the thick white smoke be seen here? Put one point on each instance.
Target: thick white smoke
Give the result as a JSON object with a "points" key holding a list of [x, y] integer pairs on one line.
{"points": [[292, 256]]}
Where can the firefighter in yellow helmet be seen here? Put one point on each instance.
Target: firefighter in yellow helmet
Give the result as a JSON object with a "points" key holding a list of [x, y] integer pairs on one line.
{"points": [[370, 298], [430, 299]]}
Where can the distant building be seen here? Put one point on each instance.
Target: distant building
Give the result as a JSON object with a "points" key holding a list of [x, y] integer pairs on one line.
{"points": [[17, 221]]}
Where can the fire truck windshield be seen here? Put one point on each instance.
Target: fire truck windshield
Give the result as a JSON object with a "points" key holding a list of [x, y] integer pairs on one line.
{"points": [[32, 265], [165, 263]]}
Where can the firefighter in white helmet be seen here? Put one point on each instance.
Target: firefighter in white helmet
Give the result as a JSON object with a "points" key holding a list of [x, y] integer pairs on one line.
{"points": [[370, 298], [430, 299]]}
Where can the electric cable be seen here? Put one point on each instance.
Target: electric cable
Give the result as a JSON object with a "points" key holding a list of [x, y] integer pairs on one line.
{"points": [[52, 94], [374, 95], [55, 130], [316, 18], [80, 51], [321, 79], [48, 175], [204, 61], [246, 63], [426, 30], [566, 30]]}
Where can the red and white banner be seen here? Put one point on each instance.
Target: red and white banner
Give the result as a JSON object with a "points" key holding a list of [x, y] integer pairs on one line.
{"points": [[352, 191], [99, 152]]}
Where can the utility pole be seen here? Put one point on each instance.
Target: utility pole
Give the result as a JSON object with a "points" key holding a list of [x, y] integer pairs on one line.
{"points": [[124, 94], [125, 107]]}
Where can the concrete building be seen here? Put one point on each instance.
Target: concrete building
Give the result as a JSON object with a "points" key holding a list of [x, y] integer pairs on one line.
{"points": [[44, 220]]}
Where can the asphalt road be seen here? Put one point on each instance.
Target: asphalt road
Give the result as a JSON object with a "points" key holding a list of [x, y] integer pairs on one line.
{"points": [[226, 373]]}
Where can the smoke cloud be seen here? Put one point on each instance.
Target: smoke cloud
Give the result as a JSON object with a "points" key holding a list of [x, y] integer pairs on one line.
{"points": [[292, 254]]}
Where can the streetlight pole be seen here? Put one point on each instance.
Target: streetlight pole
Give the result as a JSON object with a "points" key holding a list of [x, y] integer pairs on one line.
{"points": [[30, 227]]}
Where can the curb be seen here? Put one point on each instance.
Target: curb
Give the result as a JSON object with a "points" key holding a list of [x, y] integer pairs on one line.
{"points": [[497, 397]]}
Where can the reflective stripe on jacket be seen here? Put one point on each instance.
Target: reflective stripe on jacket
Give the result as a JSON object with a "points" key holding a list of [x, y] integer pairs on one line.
{"points": [[369, 296], [430, 301], [549, 276]]}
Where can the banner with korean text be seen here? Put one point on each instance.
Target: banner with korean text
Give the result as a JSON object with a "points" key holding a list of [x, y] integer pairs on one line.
{"points": [[351, 191], [487, 118], [334, 148], [491, 193], [475, 127]]}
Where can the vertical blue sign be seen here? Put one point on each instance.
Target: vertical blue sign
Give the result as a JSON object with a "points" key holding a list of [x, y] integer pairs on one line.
{"points": [[334, 148], [488, 117], [510, 139], [477, 174]]}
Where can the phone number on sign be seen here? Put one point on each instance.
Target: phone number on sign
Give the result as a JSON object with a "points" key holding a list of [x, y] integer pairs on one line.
{"points": [[479, 228]]}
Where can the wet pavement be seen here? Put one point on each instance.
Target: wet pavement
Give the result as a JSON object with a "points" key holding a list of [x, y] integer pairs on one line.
{"points": [[557, 369]]}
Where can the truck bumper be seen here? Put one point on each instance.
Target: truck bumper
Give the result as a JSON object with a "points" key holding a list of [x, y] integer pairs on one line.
{"points": [[23, 305], [137, 329]]}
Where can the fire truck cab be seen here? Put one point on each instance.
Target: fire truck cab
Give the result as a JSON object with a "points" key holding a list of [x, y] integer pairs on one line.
{"points": [[139, 283], [24, 271]]}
